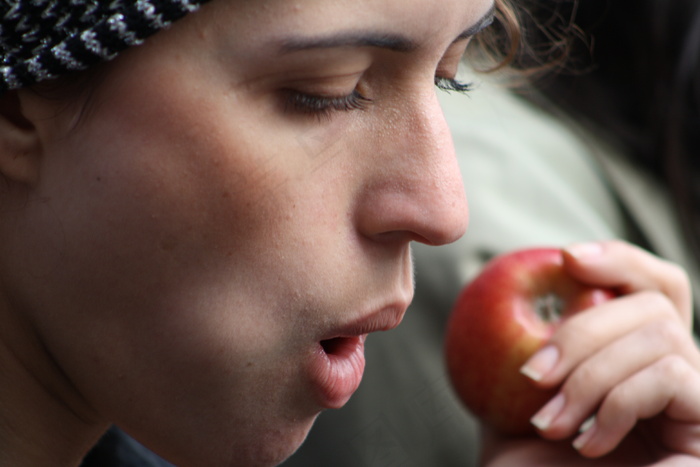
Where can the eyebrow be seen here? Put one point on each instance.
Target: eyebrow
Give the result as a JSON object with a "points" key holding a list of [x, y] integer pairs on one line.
{"points": [[483, 22], [393, 42]]}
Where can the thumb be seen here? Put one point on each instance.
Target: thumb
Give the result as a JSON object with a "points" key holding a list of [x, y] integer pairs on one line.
{"points": [[629, 269]]}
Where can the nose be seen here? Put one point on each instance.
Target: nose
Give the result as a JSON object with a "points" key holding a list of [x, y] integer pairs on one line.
{"points": [[416, 191]]}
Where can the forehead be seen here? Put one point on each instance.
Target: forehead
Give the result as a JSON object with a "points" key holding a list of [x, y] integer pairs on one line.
{"points": [[423, 20]]}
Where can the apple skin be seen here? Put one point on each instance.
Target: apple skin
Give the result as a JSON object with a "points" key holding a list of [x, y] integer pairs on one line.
{"points": [[498, 321]]}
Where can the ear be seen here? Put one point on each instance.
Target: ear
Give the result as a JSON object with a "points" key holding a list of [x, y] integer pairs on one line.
{"points": [[20, 144]]}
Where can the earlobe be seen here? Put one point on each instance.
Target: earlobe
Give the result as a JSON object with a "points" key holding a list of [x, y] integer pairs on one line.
{"points": [[20, 146]]}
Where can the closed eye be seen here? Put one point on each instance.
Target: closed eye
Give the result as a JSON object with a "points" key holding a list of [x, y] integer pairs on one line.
{"points": [[324, 106]]}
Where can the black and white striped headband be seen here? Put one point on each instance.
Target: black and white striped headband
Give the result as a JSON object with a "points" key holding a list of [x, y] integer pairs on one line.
{"points": [[41, 39]]}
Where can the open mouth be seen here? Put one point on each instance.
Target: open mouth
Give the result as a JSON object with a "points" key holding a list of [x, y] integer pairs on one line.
{"points": [[337, 372], [338, 359], [341, 347]]}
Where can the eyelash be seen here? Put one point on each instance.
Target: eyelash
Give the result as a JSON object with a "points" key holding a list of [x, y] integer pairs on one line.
{"points": [[451, 84], [323, 106]]}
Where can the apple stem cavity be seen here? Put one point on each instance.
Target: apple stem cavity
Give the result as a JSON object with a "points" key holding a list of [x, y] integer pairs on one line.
{"points": [[549, 307]]}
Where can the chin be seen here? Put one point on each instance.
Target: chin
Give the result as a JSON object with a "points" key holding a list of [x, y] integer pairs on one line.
{"points": [[269, 450], [262, 449]]}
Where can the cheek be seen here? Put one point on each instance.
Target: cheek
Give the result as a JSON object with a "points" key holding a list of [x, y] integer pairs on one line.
{"points": [[161, 205], [162, 261], [138, 222], [192, 228]]}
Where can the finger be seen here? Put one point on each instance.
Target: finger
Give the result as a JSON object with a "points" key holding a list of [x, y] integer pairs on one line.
{"points": [[668, 387], [677, 460], [629, 269], [681, 437], [594, 378], [586, 333]]}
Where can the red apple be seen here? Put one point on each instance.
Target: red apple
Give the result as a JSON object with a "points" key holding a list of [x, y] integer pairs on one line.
{"points": [[499, 320]]}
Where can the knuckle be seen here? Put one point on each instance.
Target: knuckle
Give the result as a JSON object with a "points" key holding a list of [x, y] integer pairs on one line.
{"points": [[677, 275], [679, 289], [675, 368], [659, 303], [617, 244], [678, 279], [618, 399], [580, 383], [666, 333]]}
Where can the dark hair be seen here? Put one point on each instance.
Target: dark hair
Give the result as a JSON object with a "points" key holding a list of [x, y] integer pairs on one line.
{"points": [[529, 41], [640, 85]]}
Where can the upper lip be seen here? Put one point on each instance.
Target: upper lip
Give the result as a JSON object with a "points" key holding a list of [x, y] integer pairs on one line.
{"points": [[383, 319]]}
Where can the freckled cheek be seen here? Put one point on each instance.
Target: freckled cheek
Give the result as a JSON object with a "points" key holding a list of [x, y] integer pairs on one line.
{"points": [[150, 207], [180, 227], [182, 197], [190, 203], [193, 166]]}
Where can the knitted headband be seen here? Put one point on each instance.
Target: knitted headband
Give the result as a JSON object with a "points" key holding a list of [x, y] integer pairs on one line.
{"points": [[41, 39]]}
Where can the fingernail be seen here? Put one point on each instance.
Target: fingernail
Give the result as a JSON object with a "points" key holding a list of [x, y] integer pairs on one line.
{"points": [[587, 432], [541, 363], [585, 250], [544, 418], [587, 424]]}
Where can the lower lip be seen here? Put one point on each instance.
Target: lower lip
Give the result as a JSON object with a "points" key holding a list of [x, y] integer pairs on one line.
{"points": [[336, 370]]}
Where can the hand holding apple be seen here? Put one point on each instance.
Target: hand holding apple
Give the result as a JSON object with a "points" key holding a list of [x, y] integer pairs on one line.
{"points": [[499, 320]]}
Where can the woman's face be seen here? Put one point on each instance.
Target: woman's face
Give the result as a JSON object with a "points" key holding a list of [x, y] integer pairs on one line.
{"points": [[216, 231]]}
